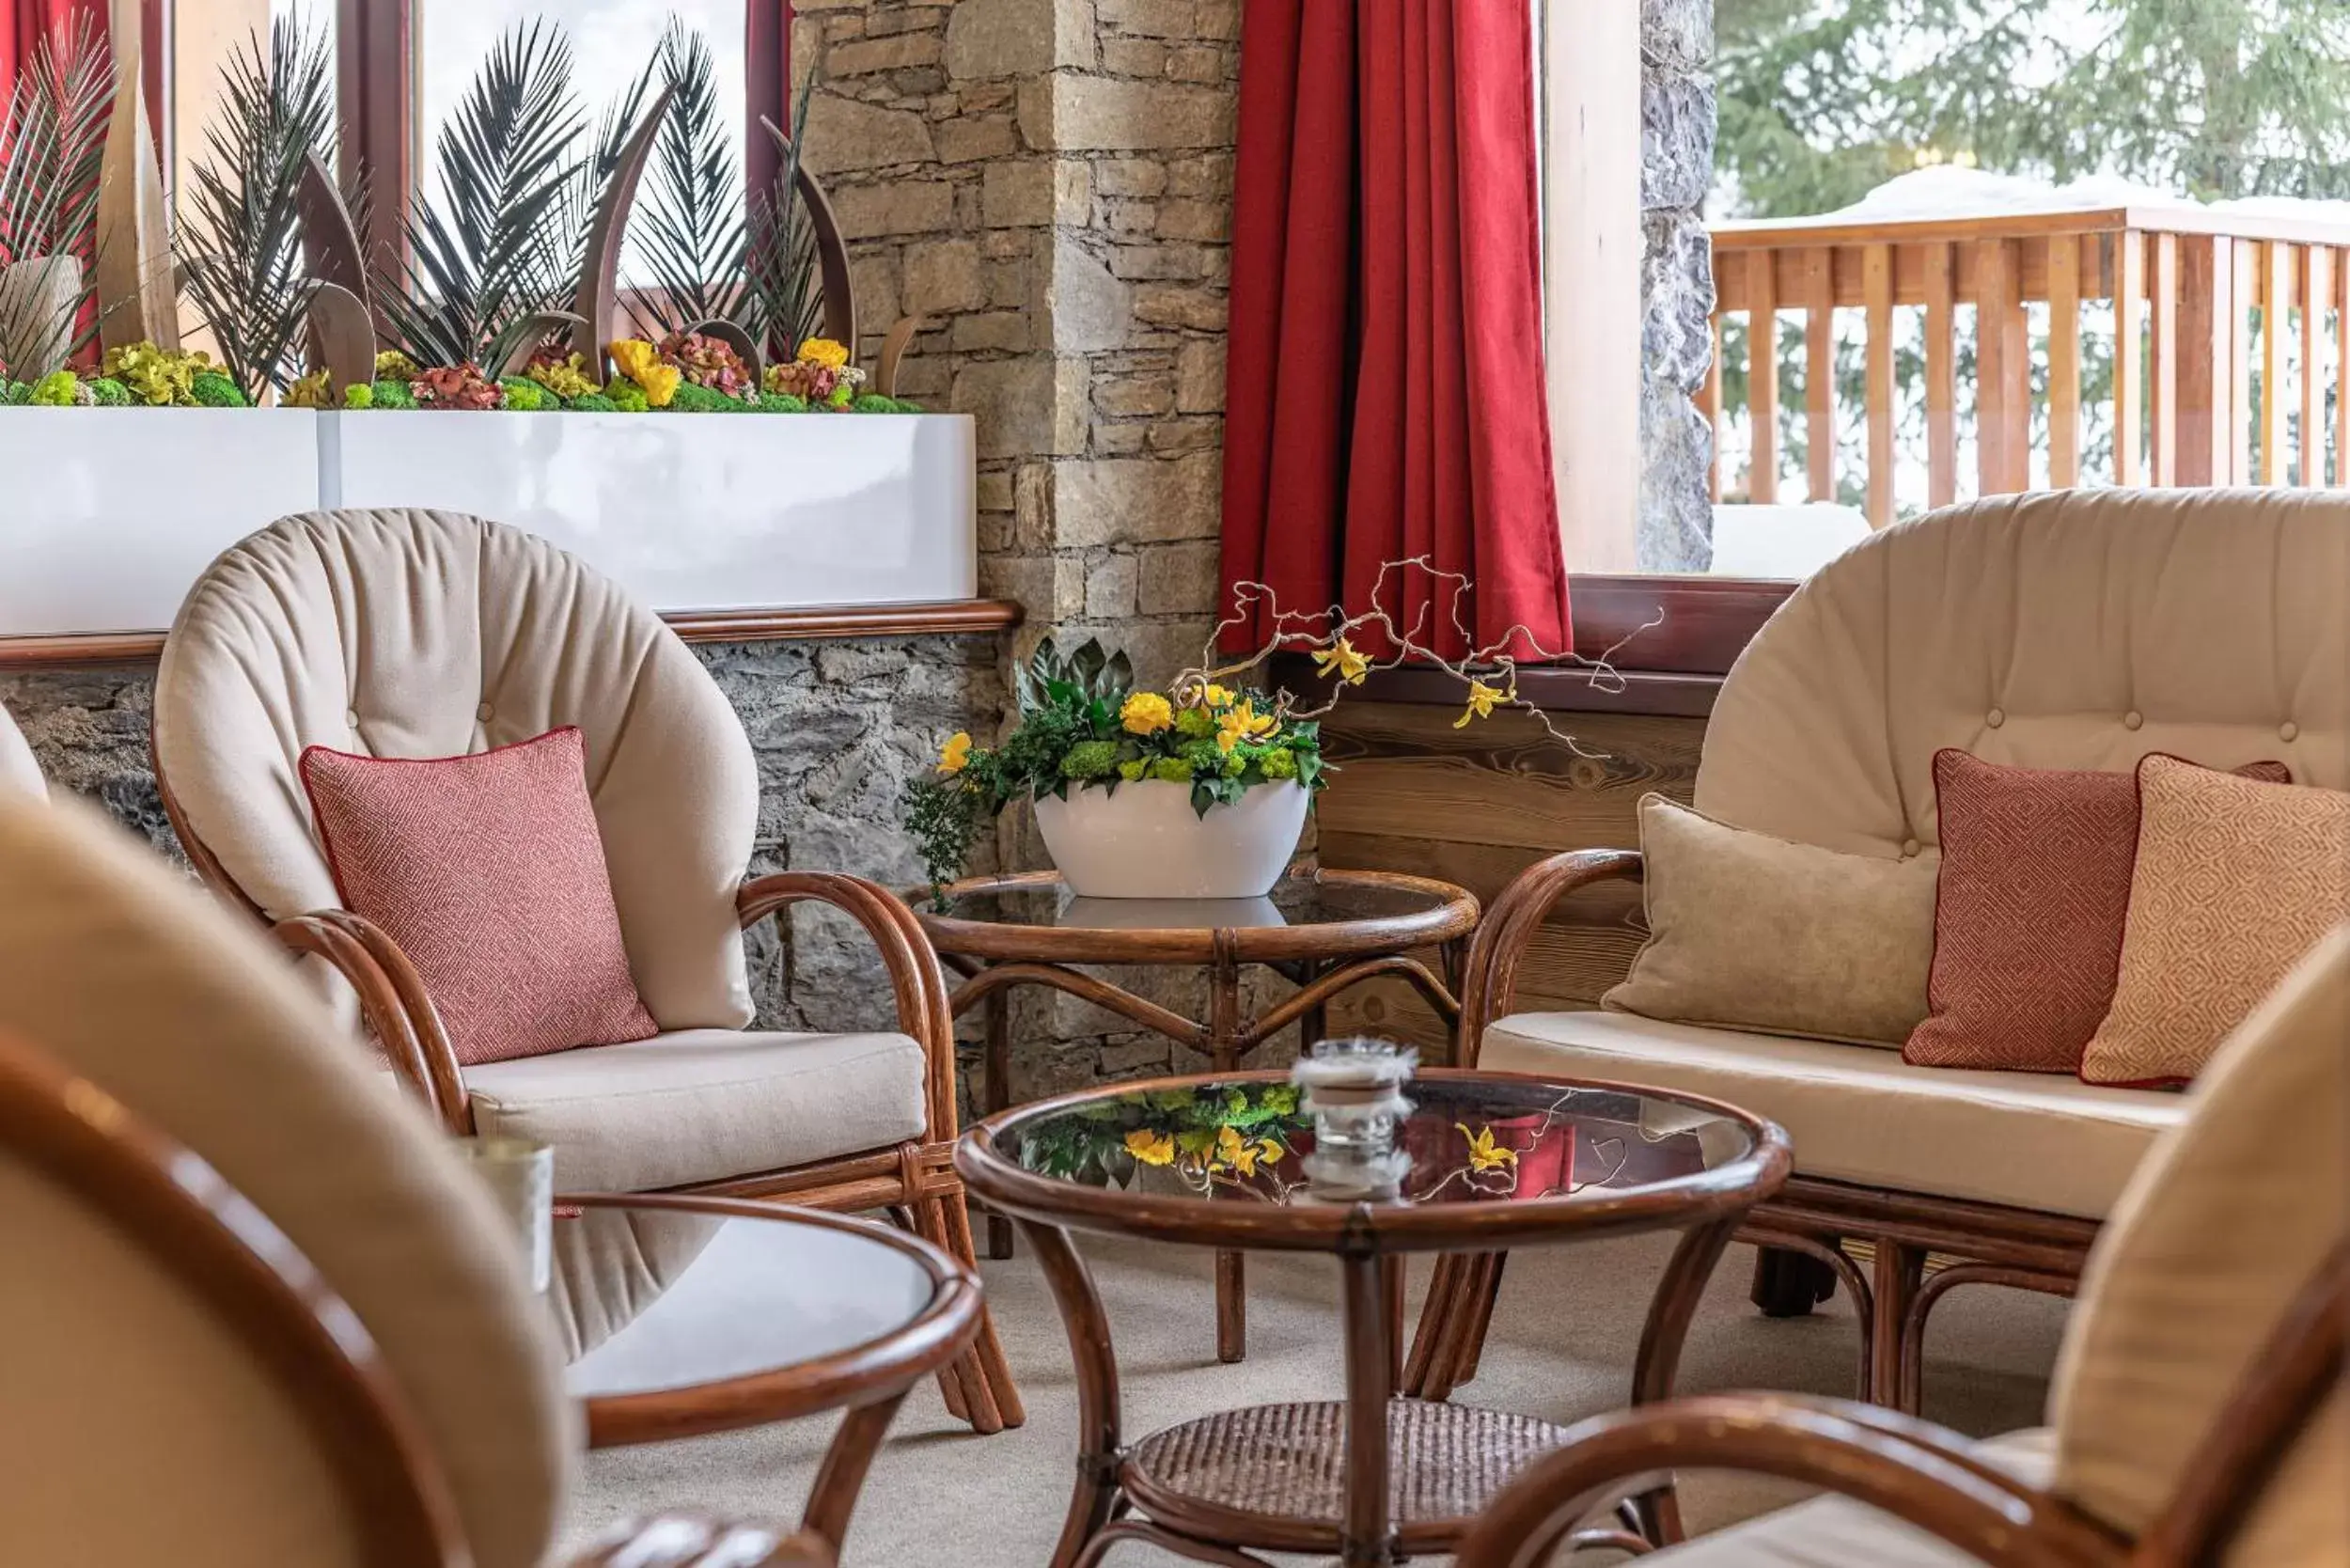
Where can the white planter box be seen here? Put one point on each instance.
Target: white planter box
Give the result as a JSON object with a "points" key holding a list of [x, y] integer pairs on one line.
{"points": [[1145, 841], [112, 513]]}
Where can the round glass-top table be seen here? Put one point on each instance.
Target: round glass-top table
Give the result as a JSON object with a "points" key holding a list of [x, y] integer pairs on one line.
{"points": [[1323, 931], [687, 1314], [1497, 1161]]}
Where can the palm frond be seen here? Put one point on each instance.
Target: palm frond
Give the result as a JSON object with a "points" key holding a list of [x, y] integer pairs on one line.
{"points": [[240, 243], [494, 245], [692, 226], [786, 302], [51, 140]]}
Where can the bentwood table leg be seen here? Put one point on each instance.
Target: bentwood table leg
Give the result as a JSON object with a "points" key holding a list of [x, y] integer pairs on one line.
{"points": [[1670, 1313], [995, 1095], [1224, 1048], [1367, 1534], [1089, 1329], [842, 1475]]}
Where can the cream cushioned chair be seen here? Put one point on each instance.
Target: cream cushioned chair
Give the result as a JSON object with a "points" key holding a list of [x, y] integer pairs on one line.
{"points": [[2198, 1415], [420, 633], [19, 771], [2068, 629]]}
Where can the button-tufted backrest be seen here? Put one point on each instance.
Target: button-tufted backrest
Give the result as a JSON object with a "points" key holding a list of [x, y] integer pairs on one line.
{"points": [[425, 634], [19, 771], [2079, 629], [2231, 1216], [135, 1426]]}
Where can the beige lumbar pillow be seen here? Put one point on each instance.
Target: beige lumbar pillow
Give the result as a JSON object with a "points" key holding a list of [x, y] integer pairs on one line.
{"points": [[2235, 881], [1748, 931]]}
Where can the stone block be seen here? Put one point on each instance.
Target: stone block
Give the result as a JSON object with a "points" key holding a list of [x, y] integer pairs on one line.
{"points": [[968, 140], [1677, 119], [942, 276], [1130, 177], [1198, 63], [1160, 19], [866, 56], [1136, 500], [1178, 305], [1002, 330], [1199, 376], [1019, 193], [1207, 221], [1132, 397], [1677, 35], [893, 207], [1179, 579], [1110, 587], [1016, 404], [1099, 114], [1089, 308], [844, 134], [999, 37]]}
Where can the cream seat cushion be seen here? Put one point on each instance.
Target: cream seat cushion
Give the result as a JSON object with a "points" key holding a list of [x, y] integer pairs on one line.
{"points": [[427, 634], [1857, 1113], [704, 1104], [131, 1428], [1837, 1533]]}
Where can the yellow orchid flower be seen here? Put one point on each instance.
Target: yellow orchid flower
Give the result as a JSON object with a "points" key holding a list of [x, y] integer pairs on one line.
{"points": [[1152, 1148], [1483, 1154], [956, 755], [1146, 713], [1242, 1153], [1342, 658], [1244, 723], [1482, 698]]}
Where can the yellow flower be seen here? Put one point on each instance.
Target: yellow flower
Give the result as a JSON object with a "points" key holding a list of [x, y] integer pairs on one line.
{"points": [[1242, 1154], [1215, 696], [1342, 657], [1482, 698], [1152, 1148], [640, 362], [956, 755], [824, 352], [1483, 1154], [1244, 723], [1146, 713]]}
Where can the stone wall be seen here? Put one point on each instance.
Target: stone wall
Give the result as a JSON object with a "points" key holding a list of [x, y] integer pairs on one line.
{"points": [[1677, 120]]}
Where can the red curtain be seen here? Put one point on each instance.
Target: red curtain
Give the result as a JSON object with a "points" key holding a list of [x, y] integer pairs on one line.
{"points": [[1385, 394], [26, 24]]}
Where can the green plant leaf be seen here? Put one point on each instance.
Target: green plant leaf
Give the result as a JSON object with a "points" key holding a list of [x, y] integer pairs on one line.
{"points": [[53, 142], [693, 224]]}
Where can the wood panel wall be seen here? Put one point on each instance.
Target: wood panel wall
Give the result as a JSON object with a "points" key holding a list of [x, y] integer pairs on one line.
{"points": [[1477, 806]]}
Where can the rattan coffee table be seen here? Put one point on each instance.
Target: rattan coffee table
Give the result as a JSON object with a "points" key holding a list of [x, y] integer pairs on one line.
{"points": [[1324, 931], [1500, 1161]]}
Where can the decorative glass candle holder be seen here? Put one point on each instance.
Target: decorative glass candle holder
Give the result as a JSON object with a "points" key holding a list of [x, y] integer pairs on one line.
{"points": [[1355, 1091], [519, 1174]]}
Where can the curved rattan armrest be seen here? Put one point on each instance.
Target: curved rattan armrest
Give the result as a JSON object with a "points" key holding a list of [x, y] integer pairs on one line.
{"points": [[393, 1000], [1911, 1469], [1490, 978], [682, 1541], [920, 985]]}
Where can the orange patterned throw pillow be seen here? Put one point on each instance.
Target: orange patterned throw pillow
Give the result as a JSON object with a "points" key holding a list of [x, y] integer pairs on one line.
{"points": [[2235, 881], [2027, 913], [488, 870]]}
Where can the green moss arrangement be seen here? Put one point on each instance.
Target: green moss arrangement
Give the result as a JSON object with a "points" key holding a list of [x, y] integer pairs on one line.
{"points": [[525, 395], [211, 389], [692, 398], [873, 402], [393, 394], [591, 402], [358, 395], [110, 393], [14, 394], [627, 396], [781, 403], [55, 390]]}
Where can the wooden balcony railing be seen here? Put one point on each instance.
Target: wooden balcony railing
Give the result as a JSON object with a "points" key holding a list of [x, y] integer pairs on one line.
{"points": [[2203, 309]]}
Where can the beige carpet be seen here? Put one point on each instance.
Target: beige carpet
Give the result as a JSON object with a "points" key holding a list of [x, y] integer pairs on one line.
{"points": [[1561, 1349]]}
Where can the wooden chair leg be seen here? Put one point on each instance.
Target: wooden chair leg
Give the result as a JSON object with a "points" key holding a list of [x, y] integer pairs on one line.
{"points": [[1473, 1345], [1900, 1269], [1789, 1284], [992, 1371], [959, 1382], [1443, 1283]]}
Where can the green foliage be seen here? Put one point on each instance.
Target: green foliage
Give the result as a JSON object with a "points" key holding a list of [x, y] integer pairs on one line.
{"points": [[625, 395], [1171, 770], [53, 139], [213, 389], [785, 302], [55, 390], [1194, 1130], [392, 395], [1088, 760], [109, 393], [15, 394], [592, 402], [693, 398], [525, 395], [239, 242], [873, 402], [782, 403], [358, 395], [691, 226]]}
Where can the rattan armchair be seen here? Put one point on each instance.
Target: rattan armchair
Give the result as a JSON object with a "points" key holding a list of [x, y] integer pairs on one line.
{"points": [[2199, 1414], [416, 634]]}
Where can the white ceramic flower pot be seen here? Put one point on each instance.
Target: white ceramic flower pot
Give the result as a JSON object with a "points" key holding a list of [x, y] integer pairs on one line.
{"points": [[1145, 841]]}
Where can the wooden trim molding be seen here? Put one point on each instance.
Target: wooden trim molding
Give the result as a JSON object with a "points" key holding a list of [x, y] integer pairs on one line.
{"points": [[935, 618]]}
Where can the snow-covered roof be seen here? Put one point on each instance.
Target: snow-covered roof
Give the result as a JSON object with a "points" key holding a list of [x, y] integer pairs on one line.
{"points": [[1949, 190]]}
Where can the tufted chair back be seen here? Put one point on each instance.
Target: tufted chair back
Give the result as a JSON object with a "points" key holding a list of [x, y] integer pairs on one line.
{"points": [[138, 1425], [2078, 629], [2231, 1216], [19, 772], [425, 634]]}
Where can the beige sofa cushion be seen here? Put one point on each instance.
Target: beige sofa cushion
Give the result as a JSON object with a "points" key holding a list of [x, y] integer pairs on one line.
{"points": [[2219, 1232], [1835, 1532], [1755, 932], [116, 966], [703, 1105], [2234, 882], [2069, 629], [1860, 1114], [424, 634]]}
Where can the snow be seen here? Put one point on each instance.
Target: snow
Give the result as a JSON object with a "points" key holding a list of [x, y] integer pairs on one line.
{"points": [[1949, 190], [1792, 541]]}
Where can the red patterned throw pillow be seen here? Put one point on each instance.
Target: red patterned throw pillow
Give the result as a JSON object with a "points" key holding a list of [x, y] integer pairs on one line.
{"points": [[488, 870], [2035, 886]]}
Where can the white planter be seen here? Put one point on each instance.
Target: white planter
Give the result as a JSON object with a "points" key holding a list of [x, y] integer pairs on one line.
{"points": [[714, 511], [112, 513], [1145, 841]]}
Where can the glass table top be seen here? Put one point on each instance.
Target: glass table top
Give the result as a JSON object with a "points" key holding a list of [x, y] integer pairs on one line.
{"points": [[652, 1300], [1472, 1138], [1333, 898]]}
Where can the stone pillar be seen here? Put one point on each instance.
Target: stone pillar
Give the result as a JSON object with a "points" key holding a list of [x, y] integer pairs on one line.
{"points": [[1677, 122]]}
